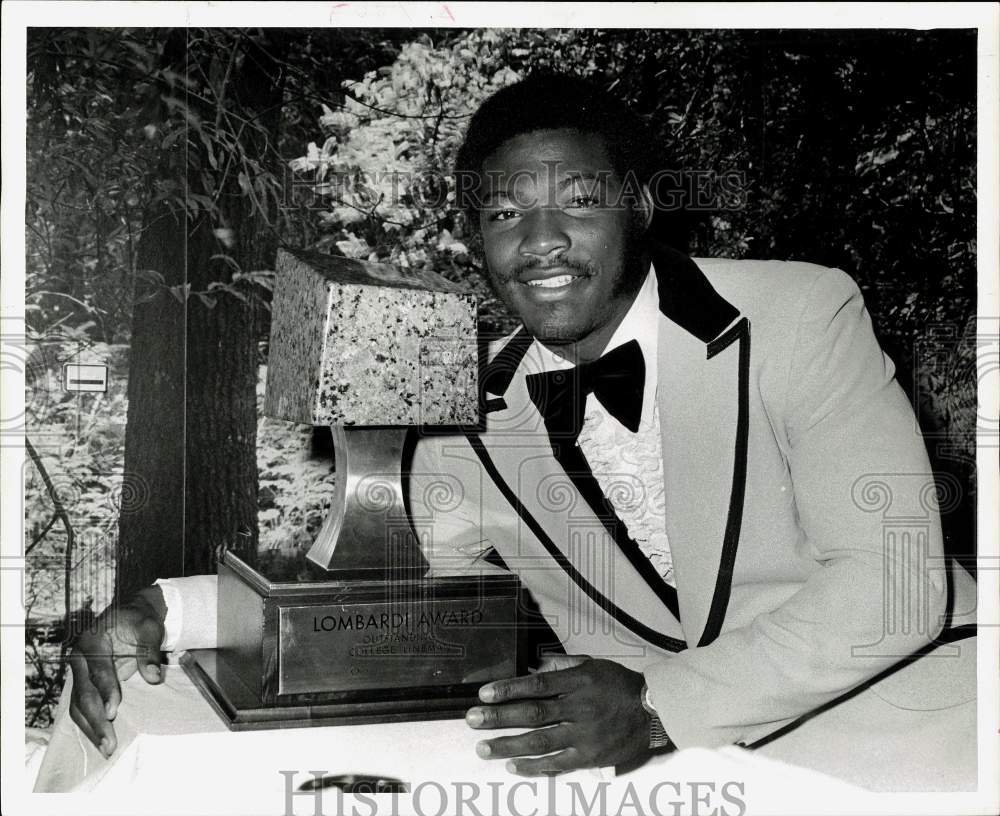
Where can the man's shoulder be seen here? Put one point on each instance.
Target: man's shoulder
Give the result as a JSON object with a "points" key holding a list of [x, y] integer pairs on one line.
{"points": [[750, 274], [768, 288]]}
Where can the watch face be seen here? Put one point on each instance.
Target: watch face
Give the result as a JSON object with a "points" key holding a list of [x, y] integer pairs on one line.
{"points": [[657, 734], [647, 701]]}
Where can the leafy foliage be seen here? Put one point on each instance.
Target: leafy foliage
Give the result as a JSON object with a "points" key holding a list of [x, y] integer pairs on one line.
{"points": [[81, 441], [86, 154], [70, 546], [296, 484]]}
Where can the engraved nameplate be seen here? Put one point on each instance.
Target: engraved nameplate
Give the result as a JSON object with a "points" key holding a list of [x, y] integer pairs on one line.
{"points": [[383, 645]]}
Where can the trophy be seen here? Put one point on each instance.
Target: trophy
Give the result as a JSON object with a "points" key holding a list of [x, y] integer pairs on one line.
{"points": [[357, 630]]}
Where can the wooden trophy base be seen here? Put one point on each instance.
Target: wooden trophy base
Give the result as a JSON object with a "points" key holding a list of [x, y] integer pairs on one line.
{"points": [[325, 650], [241, 710]]}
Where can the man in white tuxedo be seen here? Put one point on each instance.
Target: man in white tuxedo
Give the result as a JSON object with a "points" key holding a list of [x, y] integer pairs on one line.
{"points": [[702, 470]]}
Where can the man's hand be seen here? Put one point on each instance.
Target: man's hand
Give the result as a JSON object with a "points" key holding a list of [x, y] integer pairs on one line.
{"points": [[585, 716], [120, 642]]}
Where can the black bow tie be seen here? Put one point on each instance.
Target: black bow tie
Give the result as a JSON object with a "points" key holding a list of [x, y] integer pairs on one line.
{"points": [[616, 379]]}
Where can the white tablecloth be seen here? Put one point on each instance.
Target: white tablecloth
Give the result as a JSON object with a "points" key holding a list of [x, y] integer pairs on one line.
{"points": [[175, 755]]}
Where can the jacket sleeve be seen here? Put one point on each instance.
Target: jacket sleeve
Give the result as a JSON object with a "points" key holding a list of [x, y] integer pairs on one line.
{"points": [[446, 508], [853, 449]]}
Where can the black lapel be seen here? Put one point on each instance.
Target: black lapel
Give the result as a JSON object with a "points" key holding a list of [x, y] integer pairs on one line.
{"points": [[688, 299], [734, 519], [610, 608], [686, 296]]}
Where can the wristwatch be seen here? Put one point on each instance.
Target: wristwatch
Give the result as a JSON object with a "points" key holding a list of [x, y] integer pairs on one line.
{"points": [[657, 735]]}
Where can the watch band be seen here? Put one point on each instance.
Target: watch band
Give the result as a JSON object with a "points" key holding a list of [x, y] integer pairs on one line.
{"points": [[657, 734]]}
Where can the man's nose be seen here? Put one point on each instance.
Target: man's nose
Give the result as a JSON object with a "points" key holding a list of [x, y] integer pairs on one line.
{"points": [[543, 232]]}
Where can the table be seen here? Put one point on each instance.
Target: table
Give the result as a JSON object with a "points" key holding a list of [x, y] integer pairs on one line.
{"points": [[175, 751]]}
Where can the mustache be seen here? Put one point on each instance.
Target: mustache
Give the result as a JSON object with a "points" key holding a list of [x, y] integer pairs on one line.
{"points": [[536, 264]]}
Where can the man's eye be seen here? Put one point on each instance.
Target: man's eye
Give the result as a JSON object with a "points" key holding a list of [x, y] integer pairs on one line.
{"points": [[503, 215], [582, 202]]}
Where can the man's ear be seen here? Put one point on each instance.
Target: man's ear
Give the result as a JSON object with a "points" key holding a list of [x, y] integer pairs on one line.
{"points": [[646, 206]]}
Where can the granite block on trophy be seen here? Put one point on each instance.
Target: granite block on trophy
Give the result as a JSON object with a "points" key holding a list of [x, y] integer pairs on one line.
{"points": [[361, 343]]}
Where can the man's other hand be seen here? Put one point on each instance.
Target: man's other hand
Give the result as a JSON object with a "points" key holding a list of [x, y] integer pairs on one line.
{"points": [[584, 716], [121, 641]]}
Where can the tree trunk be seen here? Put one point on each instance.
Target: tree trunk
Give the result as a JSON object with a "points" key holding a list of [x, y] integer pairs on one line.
{"points": [[220, 508], [151, 525], [192, 419]]}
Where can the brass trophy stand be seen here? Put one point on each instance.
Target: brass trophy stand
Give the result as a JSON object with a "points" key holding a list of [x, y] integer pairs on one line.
{"points": [[356, 631]]}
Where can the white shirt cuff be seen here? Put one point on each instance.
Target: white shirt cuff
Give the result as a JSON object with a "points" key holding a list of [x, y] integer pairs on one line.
{"points": [[190, 622]]}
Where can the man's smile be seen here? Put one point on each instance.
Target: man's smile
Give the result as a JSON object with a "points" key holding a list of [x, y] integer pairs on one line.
{"points": [[560, 281], [555, 279], [554, 289], [552, 283]]}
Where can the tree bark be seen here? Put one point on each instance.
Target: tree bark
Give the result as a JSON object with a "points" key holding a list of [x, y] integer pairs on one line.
{"points": [[190, 444], [151, 525], [220, 508]]}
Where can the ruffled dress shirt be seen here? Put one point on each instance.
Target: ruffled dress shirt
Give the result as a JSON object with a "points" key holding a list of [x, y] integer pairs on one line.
{"points": [[627, 466]]}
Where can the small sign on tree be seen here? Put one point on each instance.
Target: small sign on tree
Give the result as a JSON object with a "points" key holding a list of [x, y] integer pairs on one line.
{"points": [[85, 377]]}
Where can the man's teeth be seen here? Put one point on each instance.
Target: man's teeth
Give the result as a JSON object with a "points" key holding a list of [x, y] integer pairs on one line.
{"points": [[552, 283]]}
